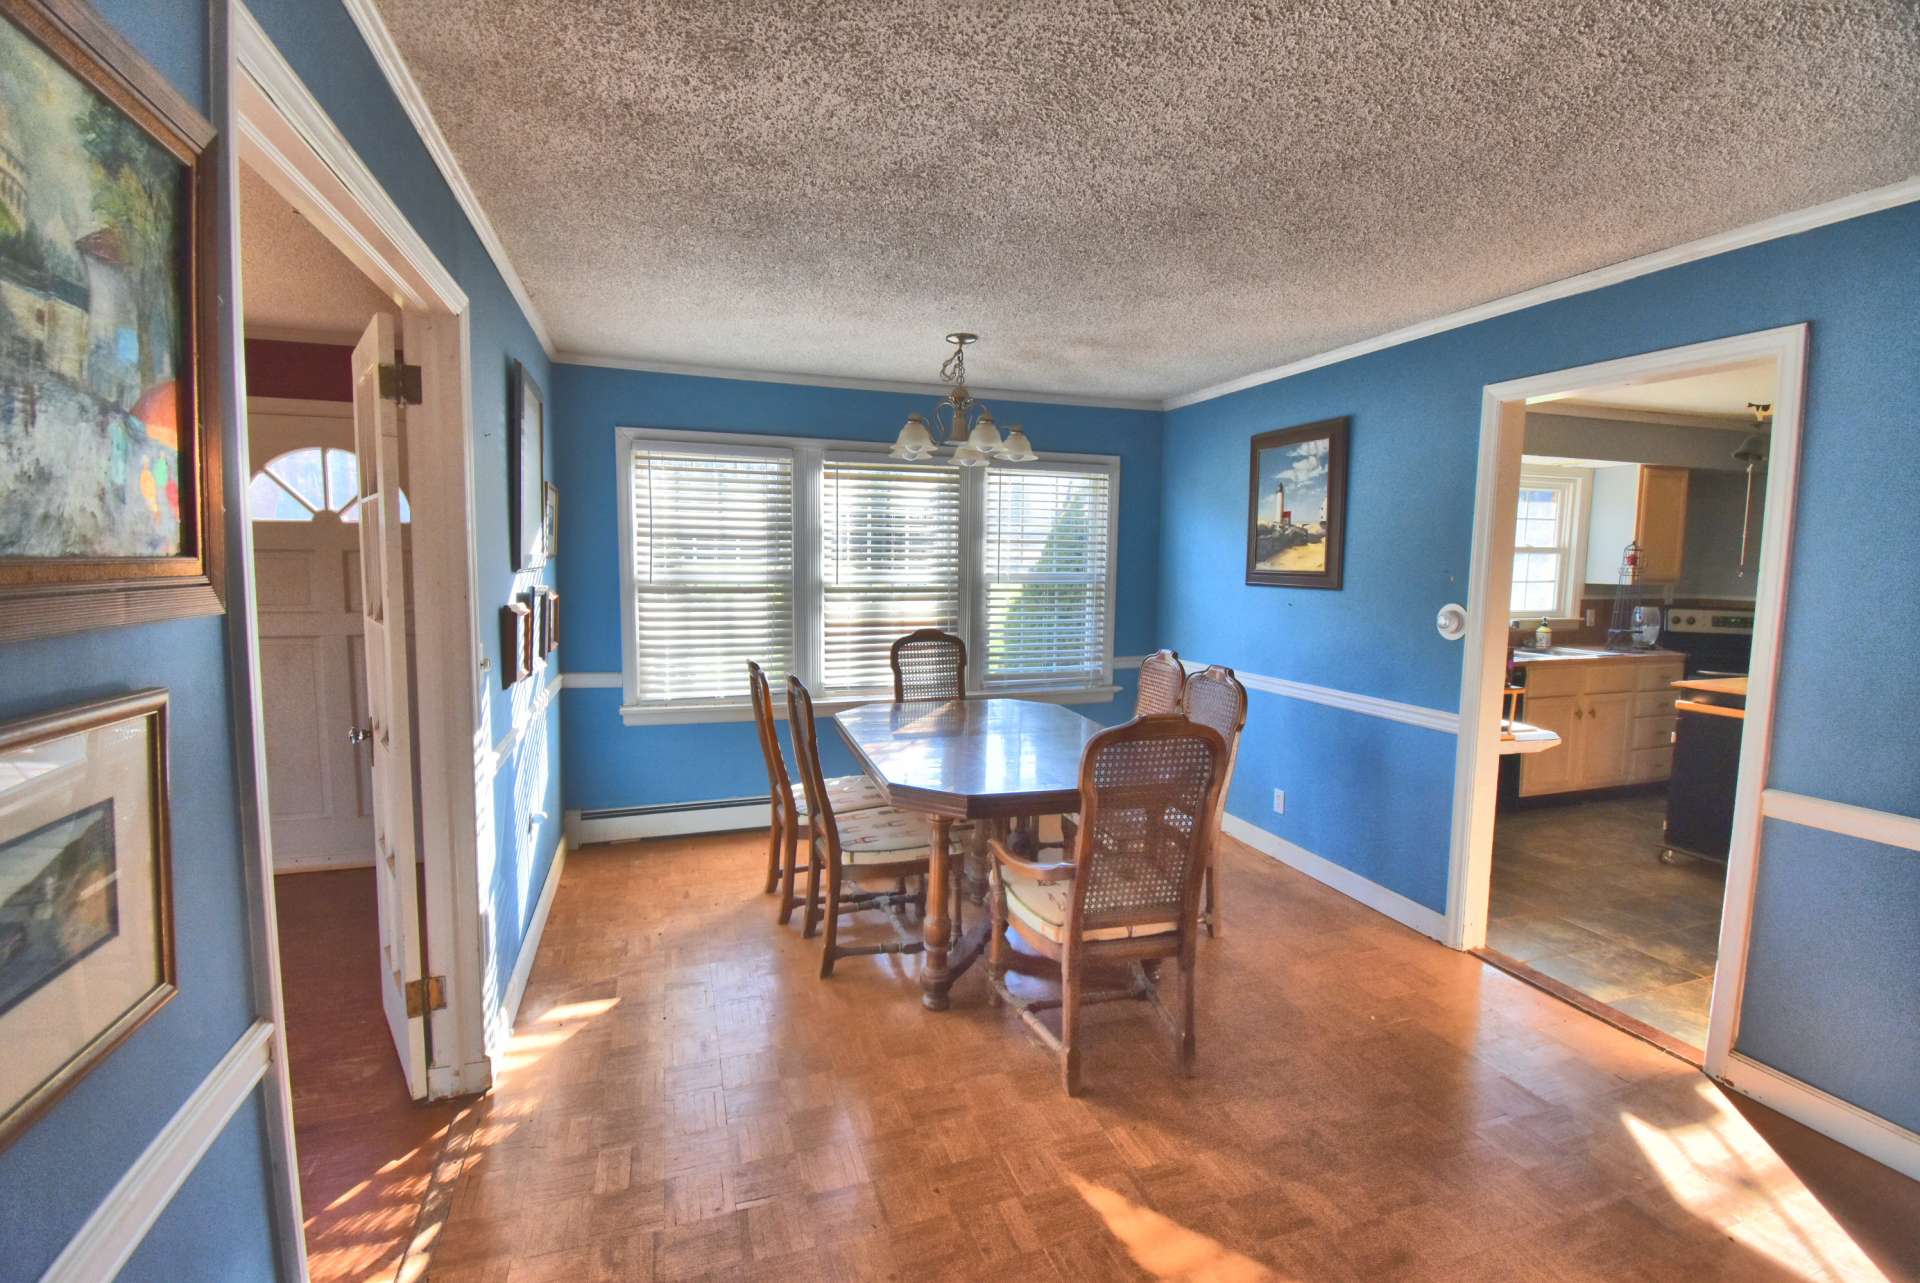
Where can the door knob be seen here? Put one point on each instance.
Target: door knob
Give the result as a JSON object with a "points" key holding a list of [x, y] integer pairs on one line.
{"points": [[359, 734]]}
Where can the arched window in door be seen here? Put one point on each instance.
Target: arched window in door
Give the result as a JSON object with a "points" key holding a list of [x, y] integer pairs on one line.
{"points": [[300, 484]]}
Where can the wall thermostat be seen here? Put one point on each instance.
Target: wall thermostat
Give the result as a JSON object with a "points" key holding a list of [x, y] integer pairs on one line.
{"points": [[1452, 621]]}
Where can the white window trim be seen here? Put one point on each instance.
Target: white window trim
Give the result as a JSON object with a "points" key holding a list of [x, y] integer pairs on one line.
{"points": [[1573, 571], [809, 454]]}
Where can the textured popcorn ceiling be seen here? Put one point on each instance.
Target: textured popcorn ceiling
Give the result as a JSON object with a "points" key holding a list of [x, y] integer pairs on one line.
{"points": [[291, 277], [1126, 199]]}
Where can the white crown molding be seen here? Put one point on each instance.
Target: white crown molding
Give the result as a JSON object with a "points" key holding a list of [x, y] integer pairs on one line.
{"points": [[1432, 719], [1354, 886], [856, 385], [501, 1020], [129, 1210], [1790, 224], [1659, 418], [1884, 827], [373, 29]]}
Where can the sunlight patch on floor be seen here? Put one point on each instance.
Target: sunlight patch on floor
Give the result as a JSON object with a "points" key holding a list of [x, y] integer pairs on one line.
{"points": [[1167, 1249], [550, 1030], [1724, 1172]]}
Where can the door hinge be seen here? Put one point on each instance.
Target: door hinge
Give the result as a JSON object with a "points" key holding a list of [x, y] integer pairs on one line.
{"points": [[429, 993], [400, 383]]}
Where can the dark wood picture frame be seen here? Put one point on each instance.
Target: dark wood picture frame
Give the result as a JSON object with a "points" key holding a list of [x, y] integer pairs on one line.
{"points": [[1334, 533], [49, 596], [516, 643], [150, 706], [526, 459]]}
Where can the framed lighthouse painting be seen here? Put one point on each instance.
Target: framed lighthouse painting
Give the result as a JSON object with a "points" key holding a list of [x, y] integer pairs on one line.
{"points": [[109, 493], [1297, 506]]}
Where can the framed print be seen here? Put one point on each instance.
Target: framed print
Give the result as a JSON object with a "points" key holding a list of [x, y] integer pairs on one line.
{"points": [[86, 910], [528, 459], [550, 635], [1297, 506], [109, 485], [550, 522], [516, 643]]}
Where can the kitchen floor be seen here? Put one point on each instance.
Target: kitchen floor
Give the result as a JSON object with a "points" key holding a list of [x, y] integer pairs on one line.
{"points": [[1580, 894]]}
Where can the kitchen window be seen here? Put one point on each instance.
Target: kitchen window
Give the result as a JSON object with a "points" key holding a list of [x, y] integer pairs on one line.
{"points": [[812, 557], [1549, 563]]}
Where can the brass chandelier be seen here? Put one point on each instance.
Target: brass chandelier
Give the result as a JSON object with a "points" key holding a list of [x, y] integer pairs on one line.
{"points": [[961, 421]]}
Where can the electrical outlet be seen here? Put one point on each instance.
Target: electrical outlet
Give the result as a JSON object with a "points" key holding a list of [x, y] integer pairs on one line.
{"points": [[1279, 802]]}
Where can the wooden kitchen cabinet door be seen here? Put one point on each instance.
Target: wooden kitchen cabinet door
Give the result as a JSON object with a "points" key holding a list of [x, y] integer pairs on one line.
{"points": [[1551, 771], [1604, 742], [1660, 527]]}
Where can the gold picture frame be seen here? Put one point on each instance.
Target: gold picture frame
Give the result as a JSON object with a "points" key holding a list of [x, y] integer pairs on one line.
{"points": [[86, 893]]}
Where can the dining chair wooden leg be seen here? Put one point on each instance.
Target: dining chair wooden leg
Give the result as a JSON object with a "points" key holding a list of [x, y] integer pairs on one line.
{"points": [[1211, 908], [997, 941], [1185, 1048], [832, 931], [789, 897], [1069, 1021], [812, 919], [774, 845]]}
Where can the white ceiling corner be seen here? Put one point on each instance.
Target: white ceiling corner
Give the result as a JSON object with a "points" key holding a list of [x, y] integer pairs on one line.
{"points": [[1138, 202]]}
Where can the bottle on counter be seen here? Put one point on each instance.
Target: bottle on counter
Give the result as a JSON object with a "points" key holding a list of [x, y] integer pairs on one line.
{"points": [[1543, 637]]}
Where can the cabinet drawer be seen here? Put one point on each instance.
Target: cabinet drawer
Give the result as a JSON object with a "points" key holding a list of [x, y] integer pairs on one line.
{"points": [[1655, 703], [1653, 732], [1653, 677], [1551, 680], [1651, 764], [1610, 676]]}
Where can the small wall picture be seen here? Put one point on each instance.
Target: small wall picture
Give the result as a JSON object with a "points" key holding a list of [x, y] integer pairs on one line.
{"points": [[86, 930], [516, 643], [106, 508], [1296, 506], [528, 482], [550, 522]]}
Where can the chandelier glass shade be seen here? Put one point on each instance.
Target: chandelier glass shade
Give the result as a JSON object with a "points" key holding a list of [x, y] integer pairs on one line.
{"points": [[960, 421]]}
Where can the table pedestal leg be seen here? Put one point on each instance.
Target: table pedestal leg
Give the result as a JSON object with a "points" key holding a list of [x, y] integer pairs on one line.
{"points": [[934, 977]]}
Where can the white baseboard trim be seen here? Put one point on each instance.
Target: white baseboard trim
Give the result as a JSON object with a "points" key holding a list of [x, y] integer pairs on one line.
{"points": [[500, 1027], [1344, 880], [1880, 1140], [129, 1210], [585, 827]]}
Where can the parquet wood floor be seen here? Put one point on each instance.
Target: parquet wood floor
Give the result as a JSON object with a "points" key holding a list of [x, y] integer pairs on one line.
{"points": [[686, 1100], [366, 1149]]}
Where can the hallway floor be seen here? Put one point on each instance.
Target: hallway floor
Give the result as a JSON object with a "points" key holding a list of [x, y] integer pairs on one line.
{"points": [[684, 1099], [1580, 894], [366, 1149]]}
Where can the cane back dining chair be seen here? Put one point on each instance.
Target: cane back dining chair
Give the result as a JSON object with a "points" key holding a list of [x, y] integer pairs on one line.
{"points": [[929, 664], [881, 844], [1129, 895], [1163, 681], [849, 793], [1216, 698]]}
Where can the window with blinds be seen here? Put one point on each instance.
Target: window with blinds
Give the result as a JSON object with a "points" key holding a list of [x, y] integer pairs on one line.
{"points": [[890, 562], [713, 570], [1044, 576]]}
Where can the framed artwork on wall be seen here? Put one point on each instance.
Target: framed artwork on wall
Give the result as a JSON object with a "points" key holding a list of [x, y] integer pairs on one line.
{"points": [[527, 460], [86, 907], [1297, 506], [550, 523], [109, 479], [516, 643]]}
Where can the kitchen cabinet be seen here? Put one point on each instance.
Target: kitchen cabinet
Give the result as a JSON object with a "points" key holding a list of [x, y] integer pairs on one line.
{"points": [[1613, 714], [1660, 523]]}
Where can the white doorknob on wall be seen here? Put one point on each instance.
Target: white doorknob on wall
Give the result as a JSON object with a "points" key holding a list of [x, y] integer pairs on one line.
{"points": [[1452, 621]]}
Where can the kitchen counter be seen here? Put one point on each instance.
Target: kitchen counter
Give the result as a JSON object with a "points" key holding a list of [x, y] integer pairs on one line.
{"points": [[1525, 738], [1592, 654], [1736, 686], [1717, 696]]}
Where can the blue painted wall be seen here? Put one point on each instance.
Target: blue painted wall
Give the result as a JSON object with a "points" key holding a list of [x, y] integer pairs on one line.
{"points": [[606, 764], [219, 1226], [1371, 795], [57, 1172], [321, 43]]}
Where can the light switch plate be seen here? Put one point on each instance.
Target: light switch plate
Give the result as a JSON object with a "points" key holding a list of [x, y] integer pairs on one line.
{"points": [[1279, 802]]}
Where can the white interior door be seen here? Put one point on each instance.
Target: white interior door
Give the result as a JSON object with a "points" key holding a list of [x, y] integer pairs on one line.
{"points": [[377, 426], [306, 540]]}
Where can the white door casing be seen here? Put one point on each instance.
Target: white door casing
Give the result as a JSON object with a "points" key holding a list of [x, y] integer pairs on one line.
{"points": [[378, 426]]}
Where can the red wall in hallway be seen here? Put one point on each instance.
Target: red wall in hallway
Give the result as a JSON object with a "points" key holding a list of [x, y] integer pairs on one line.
{"points": [[307, 371]]}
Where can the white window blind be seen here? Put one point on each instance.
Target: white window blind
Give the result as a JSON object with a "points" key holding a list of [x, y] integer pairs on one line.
{"points": [[1044, 576], [1545, 577], [713, 570], [890, 562]]}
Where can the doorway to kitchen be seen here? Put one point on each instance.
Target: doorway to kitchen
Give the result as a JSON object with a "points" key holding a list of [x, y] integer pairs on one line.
{"points": [[1630, 565]]}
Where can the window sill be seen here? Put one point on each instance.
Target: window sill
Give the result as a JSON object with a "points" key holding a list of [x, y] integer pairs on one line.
{"points": [[741, 711]]}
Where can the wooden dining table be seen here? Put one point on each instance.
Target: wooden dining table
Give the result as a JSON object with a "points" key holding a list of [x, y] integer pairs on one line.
{"points": [[992, 760]]}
